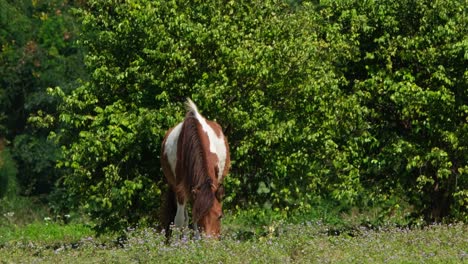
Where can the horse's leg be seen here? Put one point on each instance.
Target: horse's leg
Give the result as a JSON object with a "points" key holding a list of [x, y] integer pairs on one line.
{"points": [[196, 230], [186, 217], [168, 211], [180, 219]]}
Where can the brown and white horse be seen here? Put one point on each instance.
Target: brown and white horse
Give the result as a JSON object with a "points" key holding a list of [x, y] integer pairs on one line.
{"points": [[195, 159]]}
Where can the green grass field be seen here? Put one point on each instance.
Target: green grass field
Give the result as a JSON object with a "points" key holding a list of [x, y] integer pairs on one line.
{"points": [[278, 242]]}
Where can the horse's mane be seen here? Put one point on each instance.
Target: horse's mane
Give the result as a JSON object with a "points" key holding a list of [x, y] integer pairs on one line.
{"points": [[193, 157]]}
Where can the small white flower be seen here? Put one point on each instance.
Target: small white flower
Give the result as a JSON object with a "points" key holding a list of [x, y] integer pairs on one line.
{"points": [[9, 214]]}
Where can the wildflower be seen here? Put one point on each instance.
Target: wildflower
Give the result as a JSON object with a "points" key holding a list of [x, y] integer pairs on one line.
{"points": [[9, 214]]}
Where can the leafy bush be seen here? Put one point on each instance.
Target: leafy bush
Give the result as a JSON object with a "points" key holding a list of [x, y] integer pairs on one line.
{"points": [[409, 76], [362, 103]]}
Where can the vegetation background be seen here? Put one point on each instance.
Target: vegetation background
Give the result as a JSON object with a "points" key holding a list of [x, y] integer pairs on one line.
{"points": [[353, 108]]}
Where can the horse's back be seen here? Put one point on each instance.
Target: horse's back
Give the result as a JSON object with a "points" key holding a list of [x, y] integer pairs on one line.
{"points": [[217, 145]]}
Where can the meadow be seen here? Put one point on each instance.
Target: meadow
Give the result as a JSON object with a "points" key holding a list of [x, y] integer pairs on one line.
{"points": [[355, 109], [277, 242]]}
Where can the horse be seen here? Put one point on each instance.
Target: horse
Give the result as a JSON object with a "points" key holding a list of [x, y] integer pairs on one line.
{"points": [[195, 160]]}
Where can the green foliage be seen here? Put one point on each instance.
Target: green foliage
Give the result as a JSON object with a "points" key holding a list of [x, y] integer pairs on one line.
{"points": [[8, 171], [410, 77], [36, 157], [15, 210], [361, 103], [18, 211], [38, 50]]}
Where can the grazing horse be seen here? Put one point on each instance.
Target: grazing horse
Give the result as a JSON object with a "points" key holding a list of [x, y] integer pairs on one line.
{"points": [[195, 159]]}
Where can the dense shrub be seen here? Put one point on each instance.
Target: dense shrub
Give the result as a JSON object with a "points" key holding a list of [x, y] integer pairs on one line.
{"points": [[361, 103], [410, 77]]}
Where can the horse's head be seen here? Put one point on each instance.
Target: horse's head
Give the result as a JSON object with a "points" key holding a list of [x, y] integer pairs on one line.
{"points": [[209, 216], [210, 223]]}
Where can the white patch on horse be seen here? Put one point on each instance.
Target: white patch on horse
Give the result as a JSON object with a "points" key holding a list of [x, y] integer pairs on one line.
{"points": [[170, 149], [220, 152], [217, 145]]}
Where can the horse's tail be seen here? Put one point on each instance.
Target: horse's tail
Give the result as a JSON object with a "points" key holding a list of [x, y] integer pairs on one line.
{"points": [[192, 111], [191, 107], [168, 211]]}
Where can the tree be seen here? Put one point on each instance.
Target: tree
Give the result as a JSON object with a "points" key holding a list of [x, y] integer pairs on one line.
{"points": [[410, 75], [356, 102], [38, 51]]}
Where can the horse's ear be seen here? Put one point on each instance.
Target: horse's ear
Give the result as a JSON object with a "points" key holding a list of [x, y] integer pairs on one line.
{"points": [[220, 193]]}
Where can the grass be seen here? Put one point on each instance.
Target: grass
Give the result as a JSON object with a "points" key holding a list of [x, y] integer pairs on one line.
{"points": [[326, 235], [278, 242], [47, 233]]}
